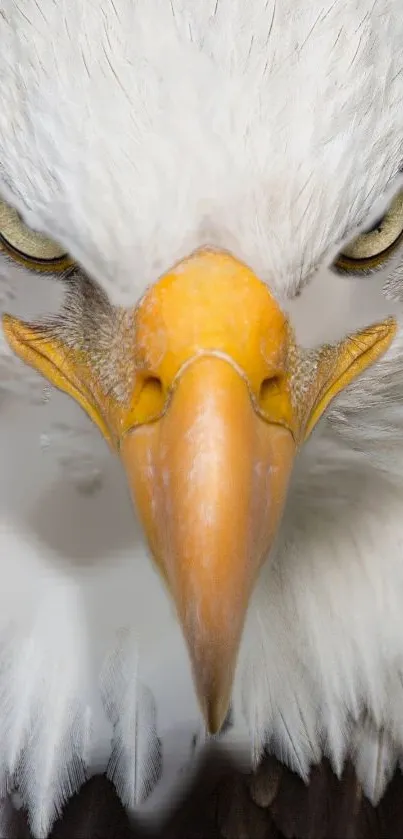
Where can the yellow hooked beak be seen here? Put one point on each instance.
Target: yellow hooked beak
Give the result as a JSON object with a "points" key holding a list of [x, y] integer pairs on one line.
{"points": [[209, 480], [220, 401]]}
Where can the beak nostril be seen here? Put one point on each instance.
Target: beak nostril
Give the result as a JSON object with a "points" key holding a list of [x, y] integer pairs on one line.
{"points": [[150, 401], [154, 386], [270, 387]]}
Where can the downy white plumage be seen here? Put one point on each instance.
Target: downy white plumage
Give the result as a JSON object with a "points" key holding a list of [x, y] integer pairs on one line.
{"points": [[132, 134]]}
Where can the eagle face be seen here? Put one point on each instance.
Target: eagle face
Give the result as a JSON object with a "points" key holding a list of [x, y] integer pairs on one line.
{"points": [[218, 191], [206, 396]]}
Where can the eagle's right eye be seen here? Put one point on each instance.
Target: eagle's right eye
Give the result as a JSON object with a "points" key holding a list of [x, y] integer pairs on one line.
{"points": [[372, 248], [32, 249]]}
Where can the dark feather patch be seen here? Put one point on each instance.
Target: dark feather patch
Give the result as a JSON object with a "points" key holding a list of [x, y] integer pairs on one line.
{"points": [[96, 813], [221, 804]]}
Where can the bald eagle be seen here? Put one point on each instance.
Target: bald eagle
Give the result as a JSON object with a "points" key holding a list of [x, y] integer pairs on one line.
{"points": [[201, 250]]}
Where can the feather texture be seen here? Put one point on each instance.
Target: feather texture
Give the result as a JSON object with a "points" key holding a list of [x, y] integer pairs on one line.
{"points": [[226, 124], [375, 758], [43, 730], [134, 764]]}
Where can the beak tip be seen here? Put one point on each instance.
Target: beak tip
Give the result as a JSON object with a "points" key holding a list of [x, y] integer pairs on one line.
{"points": [[215, 712]]}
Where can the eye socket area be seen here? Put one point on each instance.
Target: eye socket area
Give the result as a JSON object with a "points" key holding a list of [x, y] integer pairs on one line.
{"points": [[368, 252], [28, 247], [373, 247]]}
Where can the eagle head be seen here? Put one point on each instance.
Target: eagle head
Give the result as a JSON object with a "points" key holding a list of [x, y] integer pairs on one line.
{"points": [[204, 394]]}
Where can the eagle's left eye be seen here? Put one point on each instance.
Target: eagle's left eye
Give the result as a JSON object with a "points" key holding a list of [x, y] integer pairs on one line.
{"points": [[372, 248], [33, 250]]}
